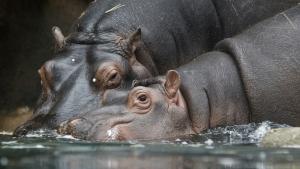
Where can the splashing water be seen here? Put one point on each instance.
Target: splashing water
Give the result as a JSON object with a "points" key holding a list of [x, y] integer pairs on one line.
{"points": [[251, 133], [112, 134], [222, 147]]}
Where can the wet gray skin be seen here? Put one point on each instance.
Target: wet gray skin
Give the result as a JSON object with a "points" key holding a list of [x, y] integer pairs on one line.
{"points": [[70, 79], [102, 53], [246, 81], [142, 113]]}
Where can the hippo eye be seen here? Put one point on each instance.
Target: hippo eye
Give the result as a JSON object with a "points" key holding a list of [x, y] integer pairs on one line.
{"points": [[139, 101], [109, 76], [142, 98], [113, 76], [113, 79]]}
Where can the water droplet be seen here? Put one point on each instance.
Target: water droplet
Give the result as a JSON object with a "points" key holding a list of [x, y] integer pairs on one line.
{"points": [[112, 133], [94, 80], [73, 60], [209, 142], [184, 142]]}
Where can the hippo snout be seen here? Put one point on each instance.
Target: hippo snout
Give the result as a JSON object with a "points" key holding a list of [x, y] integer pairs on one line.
{"points": [[107, 128], [78, 128]]}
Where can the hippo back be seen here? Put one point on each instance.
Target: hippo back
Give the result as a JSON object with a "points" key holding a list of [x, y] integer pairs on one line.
{"points": [[268, 58], [238, 15], [175, 31]]}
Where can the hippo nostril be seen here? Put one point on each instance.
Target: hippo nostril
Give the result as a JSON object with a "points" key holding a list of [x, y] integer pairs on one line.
{"points": [[75, 122], [62, 128], [78, 128], [20, 132]]}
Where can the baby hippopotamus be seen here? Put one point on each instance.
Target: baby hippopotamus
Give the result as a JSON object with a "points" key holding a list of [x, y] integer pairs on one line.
{"points": [[251, 77]]}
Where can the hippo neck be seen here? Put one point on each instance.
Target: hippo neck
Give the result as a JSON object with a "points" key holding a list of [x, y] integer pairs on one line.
{"points": [[212, 89]]}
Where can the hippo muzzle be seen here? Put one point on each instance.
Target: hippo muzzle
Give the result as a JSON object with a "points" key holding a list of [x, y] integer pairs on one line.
{"points": [[101, 125]]}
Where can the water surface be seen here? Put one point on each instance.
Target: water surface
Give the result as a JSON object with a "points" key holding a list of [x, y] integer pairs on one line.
{"points": [[227, 147]]}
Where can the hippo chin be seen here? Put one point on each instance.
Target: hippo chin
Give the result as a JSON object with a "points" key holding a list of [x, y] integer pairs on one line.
{"points": [[254, 76], [117, 41]]}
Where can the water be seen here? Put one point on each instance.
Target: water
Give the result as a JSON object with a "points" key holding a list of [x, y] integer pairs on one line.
{"points": [[227, 147]]}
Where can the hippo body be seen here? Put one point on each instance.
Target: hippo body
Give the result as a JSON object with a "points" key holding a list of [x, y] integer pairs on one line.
{"points": [[106, 50], [251, 77], [266, 60], [176, 31]]}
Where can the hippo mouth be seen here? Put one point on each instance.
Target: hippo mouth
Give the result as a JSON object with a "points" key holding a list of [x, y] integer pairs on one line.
{"points": [[115, 133], [101, 131]]}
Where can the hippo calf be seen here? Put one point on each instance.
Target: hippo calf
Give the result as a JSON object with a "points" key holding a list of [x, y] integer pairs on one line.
{"points": [[251, 77]]}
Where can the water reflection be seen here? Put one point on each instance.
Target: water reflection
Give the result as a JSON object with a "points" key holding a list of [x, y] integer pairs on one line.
{"points": [[230, 149], [151, 156]]}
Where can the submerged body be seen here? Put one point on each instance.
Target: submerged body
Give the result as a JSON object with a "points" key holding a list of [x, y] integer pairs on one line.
{"points": [[254, 76], [115, 42]]}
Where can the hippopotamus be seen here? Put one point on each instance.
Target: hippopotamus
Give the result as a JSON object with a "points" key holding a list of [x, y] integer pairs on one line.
{"points": [[251, 77], [117, 41]]}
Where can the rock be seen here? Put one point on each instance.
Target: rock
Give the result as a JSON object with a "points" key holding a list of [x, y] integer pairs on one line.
{"points": [[282, 137]]}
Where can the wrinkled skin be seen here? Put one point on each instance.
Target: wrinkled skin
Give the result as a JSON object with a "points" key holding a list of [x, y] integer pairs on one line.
{"points": [[254, 77], [66, 81], [106, 51], [156, 109], [152, 112]]}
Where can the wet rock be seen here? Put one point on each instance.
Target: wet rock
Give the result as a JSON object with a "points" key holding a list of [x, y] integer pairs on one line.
{"points": [[282, 137]]}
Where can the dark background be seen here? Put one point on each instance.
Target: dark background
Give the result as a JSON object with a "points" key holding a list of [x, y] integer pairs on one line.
{"points": [[26, 43]]}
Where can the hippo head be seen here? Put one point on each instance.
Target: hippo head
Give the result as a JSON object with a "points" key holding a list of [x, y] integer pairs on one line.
{"points": [[152, 109], [86, 66]]}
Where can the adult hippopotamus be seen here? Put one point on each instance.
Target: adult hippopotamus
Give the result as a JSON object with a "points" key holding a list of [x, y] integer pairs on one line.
{"points": [[253, 76], [117, 41]]}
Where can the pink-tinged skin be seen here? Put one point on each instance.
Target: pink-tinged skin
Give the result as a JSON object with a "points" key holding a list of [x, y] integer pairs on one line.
{"points": [[148, 113]]}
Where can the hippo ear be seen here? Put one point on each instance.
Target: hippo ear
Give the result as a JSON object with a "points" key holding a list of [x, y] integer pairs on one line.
{"points": [[172, 83], [131, 43], [59, 37], [134, 40]]}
